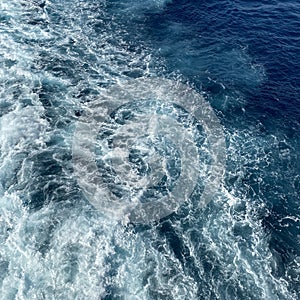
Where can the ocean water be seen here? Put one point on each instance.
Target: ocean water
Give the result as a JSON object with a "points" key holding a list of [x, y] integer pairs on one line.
{"points": [[232, 69]]}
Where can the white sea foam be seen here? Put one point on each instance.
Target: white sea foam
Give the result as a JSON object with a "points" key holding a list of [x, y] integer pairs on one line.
{"points": [[66, 250]]}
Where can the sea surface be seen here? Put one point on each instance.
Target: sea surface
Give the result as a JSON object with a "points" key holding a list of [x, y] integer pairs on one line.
{"points": [[59, 57]]}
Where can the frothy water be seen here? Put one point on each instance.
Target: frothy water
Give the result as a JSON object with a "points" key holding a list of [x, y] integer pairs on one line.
{"points": [[66, 62], [135, 114]]}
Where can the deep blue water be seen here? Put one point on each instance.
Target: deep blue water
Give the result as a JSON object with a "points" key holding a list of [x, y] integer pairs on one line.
{"points": [[57, 57]]}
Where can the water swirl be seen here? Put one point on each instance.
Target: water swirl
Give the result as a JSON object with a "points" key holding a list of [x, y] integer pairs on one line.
{"points": [[141, 151]]}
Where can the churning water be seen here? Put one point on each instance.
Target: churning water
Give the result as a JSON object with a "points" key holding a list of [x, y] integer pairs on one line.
{"points": [[149, 149]]}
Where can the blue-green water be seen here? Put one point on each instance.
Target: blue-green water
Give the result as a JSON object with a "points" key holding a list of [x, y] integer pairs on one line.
{"points": [[57, 57]]}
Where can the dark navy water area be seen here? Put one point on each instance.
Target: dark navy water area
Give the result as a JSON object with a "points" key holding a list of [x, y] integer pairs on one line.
{"points": [[59, 58]]}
